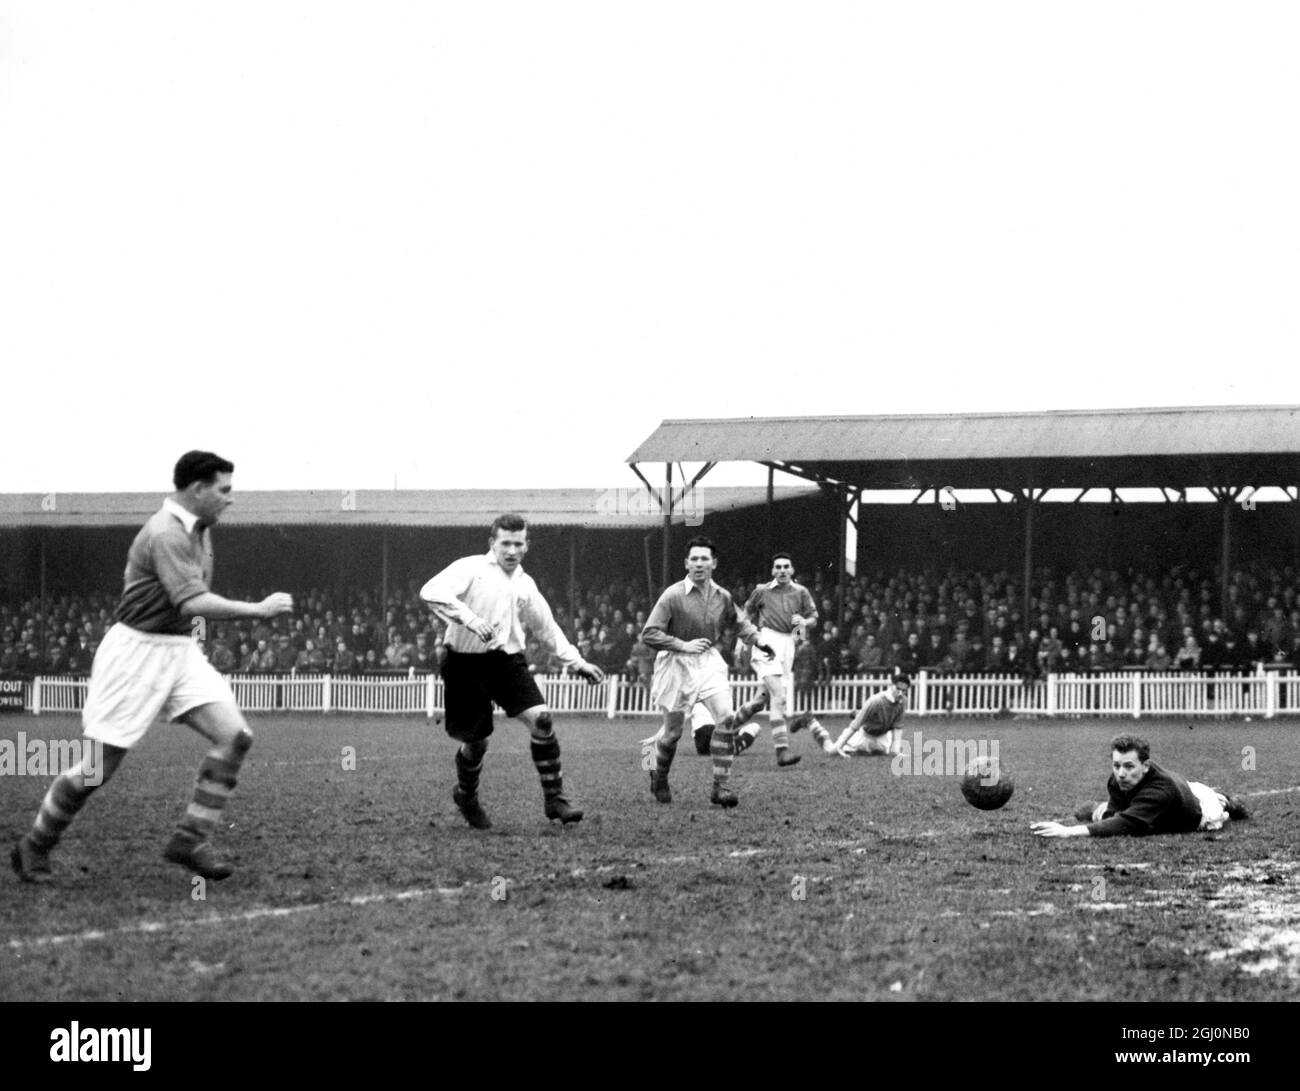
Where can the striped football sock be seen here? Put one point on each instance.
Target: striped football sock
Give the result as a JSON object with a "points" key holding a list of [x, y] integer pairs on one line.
{"points": [[665, 751], [468, 768], [59, 807], [723, 750], [546, 756], [780, 736], [818, 732], [216, 779], [750, 709]]}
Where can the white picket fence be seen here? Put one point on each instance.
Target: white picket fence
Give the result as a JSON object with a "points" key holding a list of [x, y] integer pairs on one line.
{"points": [[1136, 694]]}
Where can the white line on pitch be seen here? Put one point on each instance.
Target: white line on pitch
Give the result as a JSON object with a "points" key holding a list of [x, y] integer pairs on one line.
{"points": [[266, 912], [274, 912]]}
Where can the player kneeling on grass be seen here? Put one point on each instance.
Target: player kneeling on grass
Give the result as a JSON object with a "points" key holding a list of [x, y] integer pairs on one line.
{"points": [[1145, 799], [874, 730], [149, 667]]}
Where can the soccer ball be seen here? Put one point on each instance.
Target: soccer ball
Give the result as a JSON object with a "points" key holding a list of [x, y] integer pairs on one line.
{"points": [[987, 784]]}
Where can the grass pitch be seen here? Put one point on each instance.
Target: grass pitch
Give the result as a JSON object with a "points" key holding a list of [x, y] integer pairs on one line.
{"points": [[834, 880]]}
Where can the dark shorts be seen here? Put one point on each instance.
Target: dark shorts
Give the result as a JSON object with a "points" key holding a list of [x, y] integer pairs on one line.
{"points": [[472, 683]]}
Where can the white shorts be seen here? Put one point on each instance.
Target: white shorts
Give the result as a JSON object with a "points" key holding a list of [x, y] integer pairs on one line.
{"points": [[683, 678], [701, 716], [780, 667], [781, 643], [1214, 807], [138, 678], [860, 743]]}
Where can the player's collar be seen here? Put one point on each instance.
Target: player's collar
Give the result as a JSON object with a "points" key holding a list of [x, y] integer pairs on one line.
{"points": [[492, 560], [688, 586], [187, 518]]}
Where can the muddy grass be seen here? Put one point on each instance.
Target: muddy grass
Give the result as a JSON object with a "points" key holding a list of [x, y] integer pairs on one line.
{"points": [[834, 880]]}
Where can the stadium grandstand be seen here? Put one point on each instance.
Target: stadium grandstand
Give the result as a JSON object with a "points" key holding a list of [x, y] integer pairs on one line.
{"points": [[1017, 562]]}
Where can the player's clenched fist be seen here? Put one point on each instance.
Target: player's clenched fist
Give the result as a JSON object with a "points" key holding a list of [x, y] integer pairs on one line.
{"points": [[481, 629], [279, 603]]}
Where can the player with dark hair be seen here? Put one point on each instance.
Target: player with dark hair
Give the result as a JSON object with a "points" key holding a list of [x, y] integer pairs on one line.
{"points": [[874, 730], [783, 610], [148, 665], [684, 628], [1145, 798], [489, 604]]}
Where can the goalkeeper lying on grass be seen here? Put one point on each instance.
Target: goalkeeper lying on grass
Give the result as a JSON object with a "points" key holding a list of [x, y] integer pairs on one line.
{"points": [[1145, 798]]}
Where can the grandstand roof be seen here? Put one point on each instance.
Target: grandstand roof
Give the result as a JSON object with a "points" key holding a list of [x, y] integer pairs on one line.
{"points": [[609, 508], [1171, 448]]}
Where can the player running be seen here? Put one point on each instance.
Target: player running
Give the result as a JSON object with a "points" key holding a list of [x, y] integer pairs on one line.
{"points": [[874, 730], [784, 611], [149, 666], [489, 603], [684, 628]]}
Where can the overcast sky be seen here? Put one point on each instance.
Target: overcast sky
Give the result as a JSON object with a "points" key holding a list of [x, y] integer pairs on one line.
{"points": [[483, 244]]}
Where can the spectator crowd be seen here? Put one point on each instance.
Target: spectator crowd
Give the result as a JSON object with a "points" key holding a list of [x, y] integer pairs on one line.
{"points": [[964, 622]]}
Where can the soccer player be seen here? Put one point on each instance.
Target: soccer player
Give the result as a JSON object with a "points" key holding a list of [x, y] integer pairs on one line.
{"points": [[684, 628], [488, 601], [874, 730], [784, 611], [1145, 798], [149, 665]]}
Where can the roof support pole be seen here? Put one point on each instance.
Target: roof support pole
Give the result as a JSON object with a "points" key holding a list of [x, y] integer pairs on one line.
{"points": [[383, 580], [1029, 565], [43, 647], [573, 568], [770, 514], [853, 513], [842, 505], [667, 505], [1225, 553]]}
